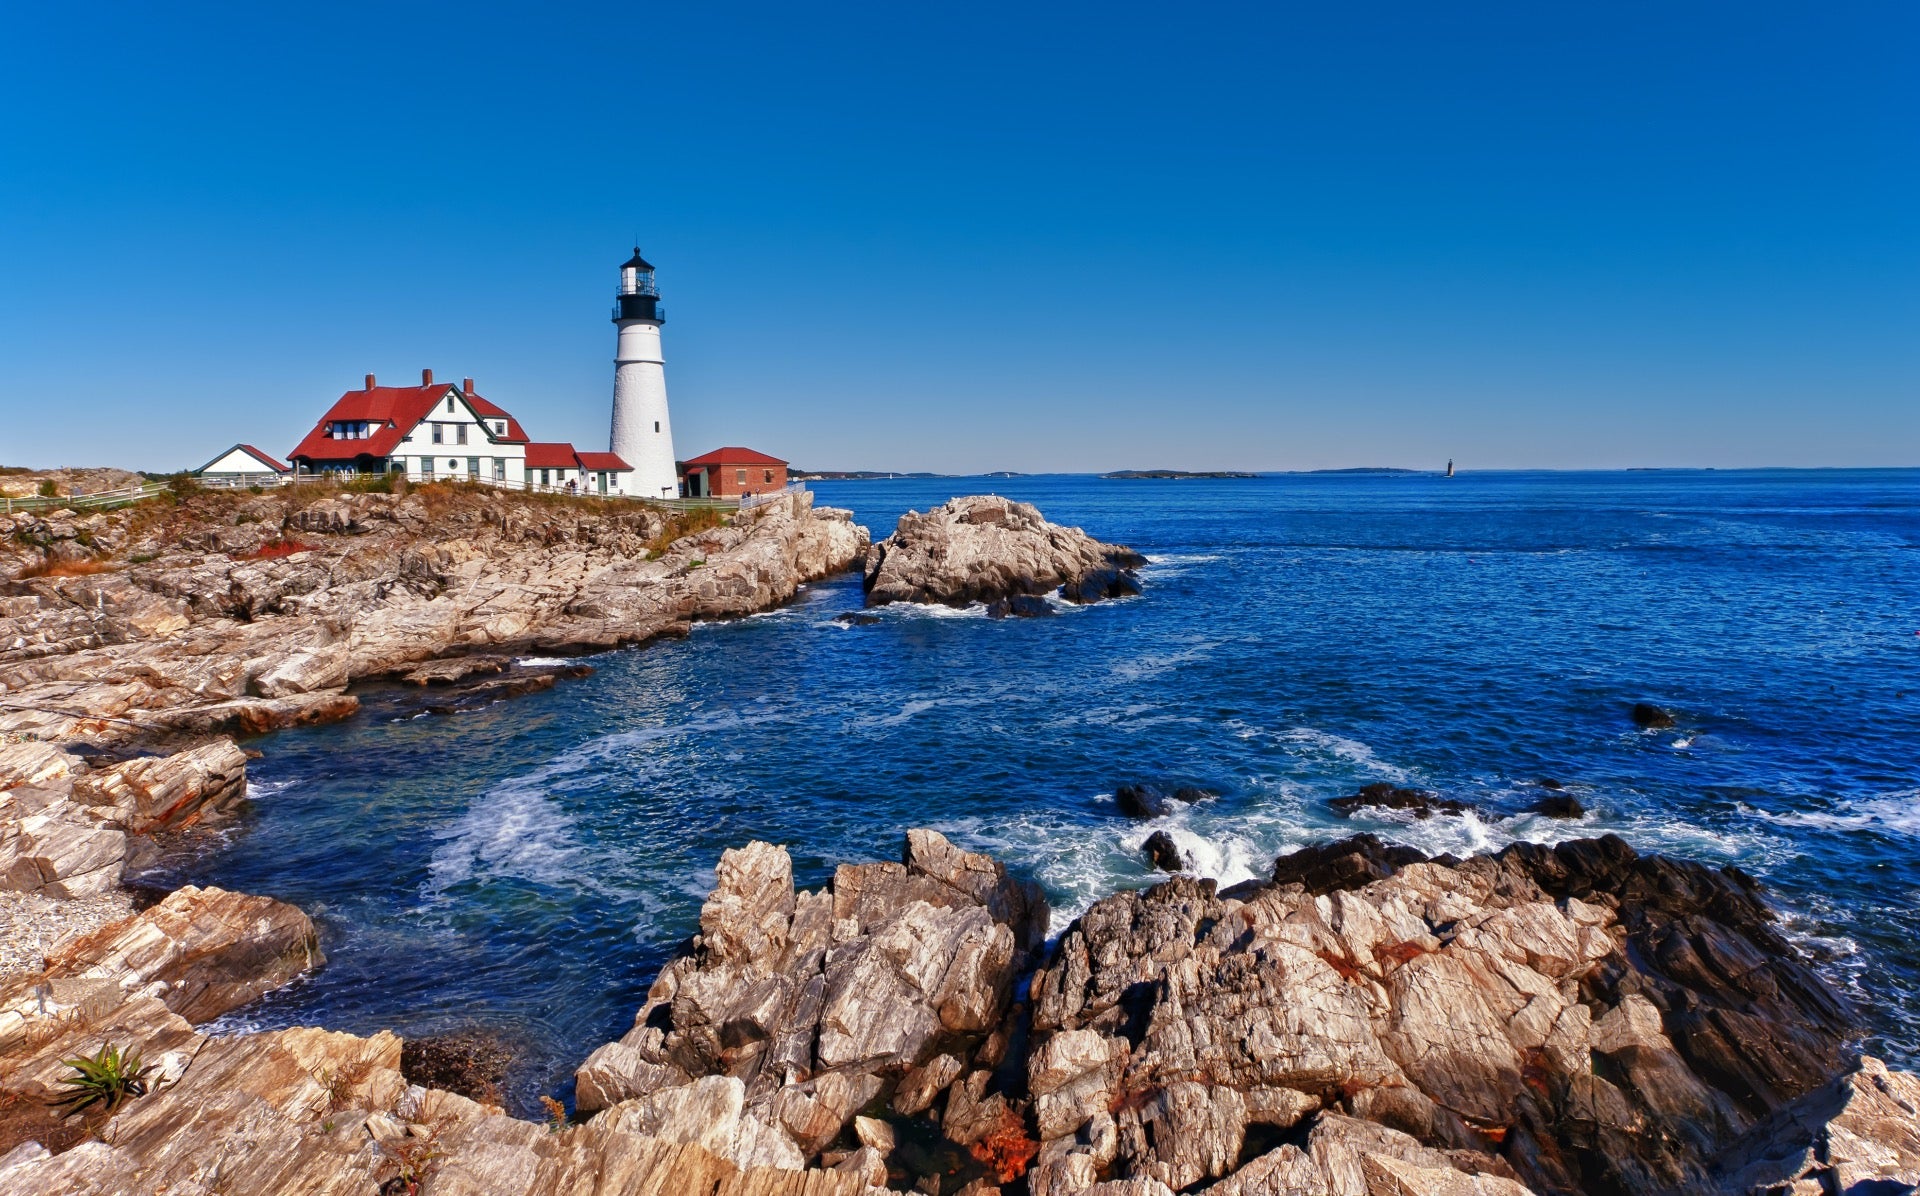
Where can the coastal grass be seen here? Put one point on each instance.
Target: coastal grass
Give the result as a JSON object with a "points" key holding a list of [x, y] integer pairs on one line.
{"points": [[681, 524]]}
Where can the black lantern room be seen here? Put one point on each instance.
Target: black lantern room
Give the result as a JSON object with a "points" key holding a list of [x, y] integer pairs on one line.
{"points": [[639, 298]]}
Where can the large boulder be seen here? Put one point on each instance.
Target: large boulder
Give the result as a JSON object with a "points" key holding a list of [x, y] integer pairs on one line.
{"points": [[985, 548], [203, 951], [893, 979], [1571, 1019]]}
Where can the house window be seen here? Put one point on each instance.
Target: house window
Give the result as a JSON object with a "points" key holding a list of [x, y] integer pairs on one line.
{"points": [[449, 404], [453, 465], [545, 479], [499, 469], [499, 427], [473, 467], [397, 465], [769, 476], [740, 477], [439, 433], [426, 466], [459, 433]]}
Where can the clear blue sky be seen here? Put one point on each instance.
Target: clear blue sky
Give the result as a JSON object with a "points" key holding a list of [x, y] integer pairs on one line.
{"points": [[980, 236]]}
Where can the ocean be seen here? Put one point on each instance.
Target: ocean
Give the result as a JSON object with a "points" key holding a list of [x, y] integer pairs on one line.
{"points": [[526, 868]]}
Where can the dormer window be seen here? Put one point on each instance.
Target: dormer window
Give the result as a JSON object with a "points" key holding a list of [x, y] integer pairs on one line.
{"points": [[499, 427]]}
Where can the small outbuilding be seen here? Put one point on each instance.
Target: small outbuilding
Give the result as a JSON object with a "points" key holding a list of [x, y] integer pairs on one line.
{"points": [[555, 465], [730, 473], [243, 465]]}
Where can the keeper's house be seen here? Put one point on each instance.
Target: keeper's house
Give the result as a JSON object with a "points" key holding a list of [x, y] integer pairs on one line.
{"points": [[440, 432], [243, 465], [730, 473]]}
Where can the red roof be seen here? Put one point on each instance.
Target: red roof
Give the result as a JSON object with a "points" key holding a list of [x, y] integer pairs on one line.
{"points": [[279, 466], [551, 455], [733, 456], [546, 455], [393, 411], [487, 410]]}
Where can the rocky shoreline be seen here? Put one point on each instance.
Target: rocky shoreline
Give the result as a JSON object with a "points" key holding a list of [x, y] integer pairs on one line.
{"points": [[229, 613], [1363, 1022], [1577, 1019]]}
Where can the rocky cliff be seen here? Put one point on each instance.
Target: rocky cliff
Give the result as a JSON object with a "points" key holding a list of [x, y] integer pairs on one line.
{"points": [[989, 549], [1581, 1019], [230, 612]]}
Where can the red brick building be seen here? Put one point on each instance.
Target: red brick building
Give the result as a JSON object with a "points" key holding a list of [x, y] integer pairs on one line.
{"points": [[730, 473]]}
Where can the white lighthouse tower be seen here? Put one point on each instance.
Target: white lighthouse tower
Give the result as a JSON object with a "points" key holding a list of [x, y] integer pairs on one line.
{"points": [[642, 434]]}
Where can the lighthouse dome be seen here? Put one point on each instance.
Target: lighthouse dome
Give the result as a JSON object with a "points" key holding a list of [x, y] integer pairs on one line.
{"points": [[636, 262]]}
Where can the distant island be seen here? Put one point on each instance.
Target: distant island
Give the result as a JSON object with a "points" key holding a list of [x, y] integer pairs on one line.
{"points": [[1176, 473]]}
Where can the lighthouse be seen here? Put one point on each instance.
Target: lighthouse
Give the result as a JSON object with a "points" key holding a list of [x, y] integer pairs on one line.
{"points": [[642, 434]]}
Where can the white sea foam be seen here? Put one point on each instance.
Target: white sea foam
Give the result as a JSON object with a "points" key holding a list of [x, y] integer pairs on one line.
{"points": [[1153, 664], [541, 662], [514, 831], [262, 790], [1892, 813], [1172, 564], [913, 708], [1318, 742]]}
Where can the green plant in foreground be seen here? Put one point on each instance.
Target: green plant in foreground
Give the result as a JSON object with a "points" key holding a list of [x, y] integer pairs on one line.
{"points": [[108, 1077]]}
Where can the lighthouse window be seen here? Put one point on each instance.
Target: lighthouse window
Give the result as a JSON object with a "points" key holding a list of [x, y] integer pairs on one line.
{"points": [[656, 425]]}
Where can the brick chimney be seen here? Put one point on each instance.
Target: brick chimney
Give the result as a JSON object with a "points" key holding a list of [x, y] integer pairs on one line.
{"points": [[369, 381], [426, 377], [466, 387]]}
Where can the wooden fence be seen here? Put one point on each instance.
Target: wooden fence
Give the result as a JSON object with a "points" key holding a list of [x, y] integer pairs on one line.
{"points": [[105, 500]]}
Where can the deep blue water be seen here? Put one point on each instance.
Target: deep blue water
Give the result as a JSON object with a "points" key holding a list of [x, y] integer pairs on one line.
{"points": [[529, 866]]}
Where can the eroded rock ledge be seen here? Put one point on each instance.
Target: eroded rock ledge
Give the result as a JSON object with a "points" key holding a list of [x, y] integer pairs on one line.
{"points": [[234, 613], [1578, 1019], [985, 548]]}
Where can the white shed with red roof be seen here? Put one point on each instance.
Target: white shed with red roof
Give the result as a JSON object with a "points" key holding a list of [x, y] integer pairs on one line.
{"points": [[241, 463]]}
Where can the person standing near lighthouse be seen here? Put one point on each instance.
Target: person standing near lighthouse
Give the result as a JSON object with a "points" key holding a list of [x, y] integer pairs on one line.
{"points": [[642, 434]]}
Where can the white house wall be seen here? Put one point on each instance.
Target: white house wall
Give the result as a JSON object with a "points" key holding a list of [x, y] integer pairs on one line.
{"points": [[239, 461], [450, 458]]}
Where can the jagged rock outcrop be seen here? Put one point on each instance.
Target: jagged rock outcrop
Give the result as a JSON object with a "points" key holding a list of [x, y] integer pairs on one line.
{"points": [[233, 613], [888, 984], [985, 548], [1565, 1020], [298, 1112], [1576, 1019], [65, 827], [1857, 1136], [68, 830]]}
